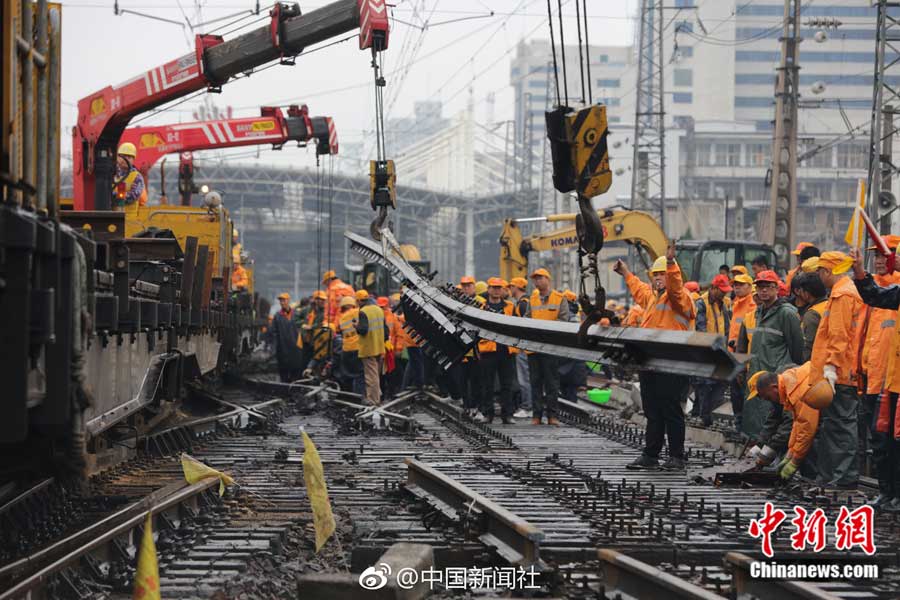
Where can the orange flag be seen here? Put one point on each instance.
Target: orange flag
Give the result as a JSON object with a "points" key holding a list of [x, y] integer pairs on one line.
{"points": [[146, 580]]}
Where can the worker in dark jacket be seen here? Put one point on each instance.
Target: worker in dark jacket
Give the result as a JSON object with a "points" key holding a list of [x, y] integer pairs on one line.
{"points": [[284, 336], [810, 299], [713, 316], [772, 337]]}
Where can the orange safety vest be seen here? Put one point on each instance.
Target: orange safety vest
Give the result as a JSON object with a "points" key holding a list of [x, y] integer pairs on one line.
{"points": [[120, 191], [393, 328], [676, 312], [485, 346], [337, 289], [879, 333], [348, 322], [740, 309], [403, 336], [239, 278], [549, 311]]}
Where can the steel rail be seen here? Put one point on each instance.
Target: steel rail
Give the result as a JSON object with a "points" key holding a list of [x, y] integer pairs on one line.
{"points": [[627, 577], [515, 539], [99, 538], [433, 311], [747, 586]]}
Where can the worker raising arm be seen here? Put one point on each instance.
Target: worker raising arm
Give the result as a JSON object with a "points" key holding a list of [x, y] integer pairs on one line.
{"points": [[666, 306]]}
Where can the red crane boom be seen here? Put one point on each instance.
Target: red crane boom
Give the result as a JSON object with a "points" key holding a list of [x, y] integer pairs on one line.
{"points": [[104, 115]]}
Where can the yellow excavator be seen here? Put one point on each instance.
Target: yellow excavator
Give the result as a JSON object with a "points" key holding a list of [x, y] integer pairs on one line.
{"points": [[699, 261]]}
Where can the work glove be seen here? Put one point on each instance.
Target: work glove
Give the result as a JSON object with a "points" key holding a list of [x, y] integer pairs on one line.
{"points": [[788, 470], [754, 452], [765, 457], [829, 372], [389, 347], [785, 460]]}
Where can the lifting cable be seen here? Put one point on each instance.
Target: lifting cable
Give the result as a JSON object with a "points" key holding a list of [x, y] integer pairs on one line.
{"points": [[318, 218], [580, 53], [562, 48], [330, 203], [587, 52], [553, 48]]}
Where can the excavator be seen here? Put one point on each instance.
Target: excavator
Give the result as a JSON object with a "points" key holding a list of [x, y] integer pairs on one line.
{"points": [[700, 261]]}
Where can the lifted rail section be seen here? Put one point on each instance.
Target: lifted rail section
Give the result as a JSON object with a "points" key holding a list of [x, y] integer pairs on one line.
{"points": [[450, 326]]}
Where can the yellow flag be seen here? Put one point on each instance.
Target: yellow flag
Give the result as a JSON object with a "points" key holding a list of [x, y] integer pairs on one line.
{"points": [[314, 476], [195, 471], [856, 229], [146, 580]]}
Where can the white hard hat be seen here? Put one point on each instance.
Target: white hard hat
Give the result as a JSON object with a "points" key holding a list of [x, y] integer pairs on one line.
{"points": [[213, 199]]}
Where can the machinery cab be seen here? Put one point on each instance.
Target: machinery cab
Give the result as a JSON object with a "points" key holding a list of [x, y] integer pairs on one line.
{"points": [[376, 280], [700, 260]]}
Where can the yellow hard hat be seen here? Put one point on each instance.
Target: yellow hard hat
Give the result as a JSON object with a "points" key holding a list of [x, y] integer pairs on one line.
{"points": [[836, 262], [751, 384], [284, 296], [395, 297], [319, 295], [327, 275], [810, 265], [659, 265], [234, 232], [480, 287], [127, 149], [362, 294], [348, 301], [819, 396]]}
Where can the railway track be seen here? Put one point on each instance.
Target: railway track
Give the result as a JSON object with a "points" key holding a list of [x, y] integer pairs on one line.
{"points": [[418, 470]]}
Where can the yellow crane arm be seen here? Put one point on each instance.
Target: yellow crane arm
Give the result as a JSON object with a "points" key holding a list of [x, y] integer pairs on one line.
{"points": [[633, 227]]}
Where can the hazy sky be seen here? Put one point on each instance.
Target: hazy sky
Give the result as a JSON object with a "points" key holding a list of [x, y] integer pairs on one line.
{"points": [[100, 48]]}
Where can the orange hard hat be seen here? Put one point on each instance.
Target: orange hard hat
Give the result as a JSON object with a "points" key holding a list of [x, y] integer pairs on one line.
{"points": [[466, 279], [541, 273], [519, 282], [284, 296], [319, 295], [496, 282], [796, 251], [836, 262], [819, 396], [891, 241], [328, 275], [382, 301], [692, 286]]}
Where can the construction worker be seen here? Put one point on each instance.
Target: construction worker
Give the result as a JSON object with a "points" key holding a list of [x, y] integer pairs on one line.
{"points": [[373, 334], [517, 290], [886, 424], [350, 369], [128, 187], [693, 288], [313, 318], [495, 361], [393, 376], [240, 281], [809, 296], [794, 393], [284, 335], [713, 316], [836, 358], [335, 289], [463, 376], [667, 305], [759, 264], [803, 251], [545, 304], [235, 246], [772, 337], [414, 373], [635, 316], [877, 330]]}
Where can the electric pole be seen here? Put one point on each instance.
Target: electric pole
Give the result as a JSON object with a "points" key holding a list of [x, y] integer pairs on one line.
{"points": [[885, 100], [783, 182], [648, 180]]}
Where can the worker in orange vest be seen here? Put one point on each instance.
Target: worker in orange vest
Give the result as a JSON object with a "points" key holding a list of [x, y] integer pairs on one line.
{"points": [[836, 359], [350, 368], [713, 316], [414, 373], [393, 376], [667, 305], [794, 393], [240, 281], [335, 289], [881, 293], [546, 304], [496, 362], [741, 306], [129, 188]]}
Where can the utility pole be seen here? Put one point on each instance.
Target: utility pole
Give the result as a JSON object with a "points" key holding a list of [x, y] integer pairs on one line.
{"points": [[648, 181], [885, 98], [783, 183]]}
